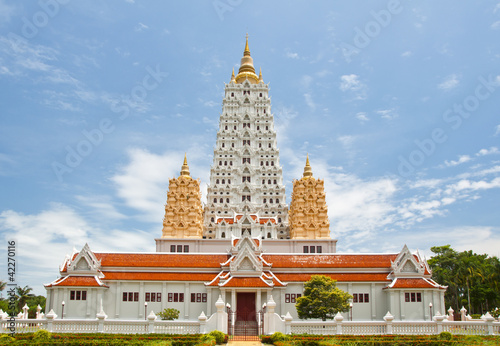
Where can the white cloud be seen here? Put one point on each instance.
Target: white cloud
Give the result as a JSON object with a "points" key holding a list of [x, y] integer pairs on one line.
{"points": [[461, 159], [350, 82], [491, 150], [6, 11], [450, 82], [292, 55], [141, 27], [361, 116], [309, 101], [388, 114], [406, 54], [497, 131], [496, 25]]}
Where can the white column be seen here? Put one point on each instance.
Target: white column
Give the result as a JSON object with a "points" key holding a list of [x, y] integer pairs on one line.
{"points": [[233, 300], [258, 299], [402, 304], [282, 301], [164, 297], [118, 299], [373, 305], [66, 300], [187, 299], [141, 300], [209, 302], [87, 303]]}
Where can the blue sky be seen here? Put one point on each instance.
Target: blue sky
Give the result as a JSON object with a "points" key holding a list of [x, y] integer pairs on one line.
{"points": [[397, 104]]}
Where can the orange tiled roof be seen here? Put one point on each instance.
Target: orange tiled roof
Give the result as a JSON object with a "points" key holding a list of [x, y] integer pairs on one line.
{"points": [[331, 261], [263, 221], [246, 282], [161, 260], [87, 281], [159, 276], [228, 220], [303, 277], [414, 283]]}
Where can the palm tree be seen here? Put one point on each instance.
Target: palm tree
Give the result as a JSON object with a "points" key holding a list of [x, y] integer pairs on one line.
{"points": [[22, 295]]}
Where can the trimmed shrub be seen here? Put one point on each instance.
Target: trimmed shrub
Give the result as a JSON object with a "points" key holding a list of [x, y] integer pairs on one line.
{"points": [[207, 339], [169, 314], [445, 336], [219, 336], [278, 336], [42, 335]]}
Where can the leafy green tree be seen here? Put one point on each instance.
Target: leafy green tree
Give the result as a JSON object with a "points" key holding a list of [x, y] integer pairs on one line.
{"points": [[322, 299], [22, 295], [472, 279], [169, 314]]}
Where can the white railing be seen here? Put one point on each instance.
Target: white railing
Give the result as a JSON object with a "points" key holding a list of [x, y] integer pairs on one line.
{"points": [[468, 327], [393, 327], [75, 326], [176, 327], [21, 325]]}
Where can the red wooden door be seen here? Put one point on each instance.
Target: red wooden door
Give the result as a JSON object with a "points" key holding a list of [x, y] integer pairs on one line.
{"points": [[245, 306]]}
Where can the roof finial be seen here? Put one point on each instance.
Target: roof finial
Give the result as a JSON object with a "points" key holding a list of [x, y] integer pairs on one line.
{"points": [[307, 169], [232, 77], [260, 75], [247, 50], [185, 167]]}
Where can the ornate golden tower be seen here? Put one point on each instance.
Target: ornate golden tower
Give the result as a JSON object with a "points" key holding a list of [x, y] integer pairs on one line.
{"points": [[308, 215], [184, 211]]}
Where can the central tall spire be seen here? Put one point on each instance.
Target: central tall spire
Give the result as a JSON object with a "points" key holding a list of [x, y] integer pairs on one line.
{"points": [[247, 71], [246, 194]]}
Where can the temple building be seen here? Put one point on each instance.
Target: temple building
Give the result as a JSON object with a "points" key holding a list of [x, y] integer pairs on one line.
{"points": [[245, 246]]}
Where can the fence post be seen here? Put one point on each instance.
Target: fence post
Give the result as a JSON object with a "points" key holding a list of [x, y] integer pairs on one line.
{"points": [[151, 322], [451, 317], [288, 323], [439, 322], [271, 305], [488, 319], [338, 320], [388, 318], [101, 316], [463, 313], [51, 316], [203, 323], [221, 315]]}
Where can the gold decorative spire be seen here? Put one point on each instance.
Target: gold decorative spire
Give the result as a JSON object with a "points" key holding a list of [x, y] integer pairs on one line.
{"points": [[247, 71], [232, 77], [246, 52], [260, 75], [185, 168], [307, 169]]}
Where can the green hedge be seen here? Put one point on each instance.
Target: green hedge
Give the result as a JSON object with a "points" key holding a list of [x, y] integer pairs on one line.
{"points": [[382, 340], [100, 339]]}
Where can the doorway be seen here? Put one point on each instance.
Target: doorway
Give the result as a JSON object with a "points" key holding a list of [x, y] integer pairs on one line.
{"points": [[245, 306]]}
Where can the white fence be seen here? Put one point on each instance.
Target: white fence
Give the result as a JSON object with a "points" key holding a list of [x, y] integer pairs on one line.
{"points": [[477, 327]]}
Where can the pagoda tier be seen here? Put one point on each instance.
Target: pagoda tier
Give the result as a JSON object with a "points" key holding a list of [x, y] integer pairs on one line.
{"points": [[246, 192]]}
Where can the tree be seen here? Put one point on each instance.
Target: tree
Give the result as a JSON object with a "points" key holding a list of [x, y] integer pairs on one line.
{"points": [[322, 299], [472, 279], [169, 314], [22, 295]]}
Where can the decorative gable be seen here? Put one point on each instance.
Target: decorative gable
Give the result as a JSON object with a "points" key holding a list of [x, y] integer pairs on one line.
{"points": [[407, 265], [85, 263], [246, 261]]}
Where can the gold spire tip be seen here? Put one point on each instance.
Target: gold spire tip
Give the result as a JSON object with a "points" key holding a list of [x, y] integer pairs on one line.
{"points": [[185, 167], [307, 169]]}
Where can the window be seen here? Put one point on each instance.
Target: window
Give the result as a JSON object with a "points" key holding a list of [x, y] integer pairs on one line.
{"points": [[413, 297], [319, 249], [78, 295], [360, 298], [215, 200], [153, 297], [172, 248], [292, 297], [306, 249], [277, 200], [272, 163], [186, 248], [179, 248], [176, 297], [217, 181], [198, 297], [312, 249]]}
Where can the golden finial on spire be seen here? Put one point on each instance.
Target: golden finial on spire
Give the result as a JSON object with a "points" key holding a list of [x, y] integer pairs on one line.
{"points": [[260, 75], [307, 169], [185, 167], [247, 50], [232, 77]]}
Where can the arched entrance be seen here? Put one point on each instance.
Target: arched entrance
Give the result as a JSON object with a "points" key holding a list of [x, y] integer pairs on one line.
{"points": [[245, 320]]}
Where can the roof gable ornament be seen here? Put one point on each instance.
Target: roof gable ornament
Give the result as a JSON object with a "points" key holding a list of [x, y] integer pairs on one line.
{"points": [[85, 263], [246, 261], [406, 265]]}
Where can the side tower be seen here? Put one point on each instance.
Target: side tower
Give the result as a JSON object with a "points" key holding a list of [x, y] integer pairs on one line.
{"points": [[183, 211], [308, 210], [246, 192]]}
